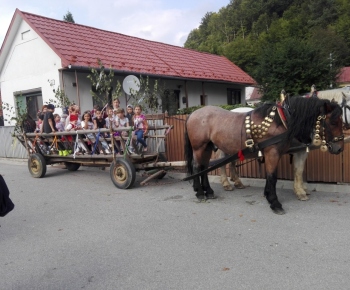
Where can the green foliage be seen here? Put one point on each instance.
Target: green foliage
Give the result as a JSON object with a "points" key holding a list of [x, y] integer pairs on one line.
{"points": [[68, 17], [147, 94], [280, 43], [17, 114], [102, 81], [60, 100]]}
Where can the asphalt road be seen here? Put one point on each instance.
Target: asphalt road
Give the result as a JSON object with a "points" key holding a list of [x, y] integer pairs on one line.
{"points": [[75, 230]]}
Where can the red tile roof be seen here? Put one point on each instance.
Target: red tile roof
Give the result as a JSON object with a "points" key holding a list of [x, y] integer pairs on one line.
{"points": [[81, 46], [344, 76]]}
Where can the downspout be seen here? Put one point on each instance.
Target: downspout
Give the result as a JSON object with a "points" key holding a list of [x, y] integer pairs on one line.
{"points": [[76, 81], [186, 94], [203, 93]]}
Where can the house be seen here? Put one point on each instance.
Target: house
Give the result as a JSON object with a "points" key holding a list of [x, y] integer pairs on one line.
{"points": [[252, 96], [344, 77], [40, 54]]}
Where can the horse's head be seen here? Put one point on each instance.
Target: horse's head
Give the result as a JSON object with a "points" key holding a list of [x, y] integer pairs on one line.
{"points": [[331, 121]]}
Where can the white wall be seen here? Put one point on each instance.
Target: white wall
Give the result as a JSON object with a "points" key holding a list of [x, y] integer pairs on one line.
{"points": [[216, 92], [29, 65]]}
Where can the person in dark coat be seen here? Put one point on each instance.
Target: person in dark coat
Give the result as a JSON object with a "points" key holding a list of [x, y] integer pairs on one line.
{"points": [[49, 124], [6, 204]]}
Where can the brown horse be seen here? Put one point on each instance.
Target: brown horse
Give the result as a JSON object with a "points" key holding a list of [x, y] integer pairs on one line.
{"points": [[260, 130]]}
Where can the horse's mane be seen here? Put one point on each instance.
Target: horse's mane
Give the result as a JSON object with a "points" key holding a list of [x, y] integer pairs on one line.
{"points": [[264, 109], [304, 113]]}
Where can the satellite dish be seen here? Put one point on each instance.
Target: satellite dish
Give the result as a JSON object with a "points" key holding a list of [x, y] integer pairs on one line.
{"points": [[131, 84]]}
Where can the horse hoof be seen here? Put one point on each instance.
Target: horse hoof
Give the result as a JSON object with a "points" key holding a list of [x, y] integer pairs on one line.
{"points": [[302, 197], [279, 211], [239, 186], [211, 196], [228, 188]]}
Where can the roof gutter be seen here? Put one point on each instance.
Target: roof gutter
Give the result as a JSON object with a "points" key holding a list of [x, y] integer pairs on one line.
{"points": [[88, 70]]}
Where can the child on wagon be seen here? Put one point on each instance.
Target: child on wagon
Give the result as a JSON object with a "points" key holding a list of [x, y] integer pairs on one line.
{"points": [[100, 123], [122, 120], [140, 125], [111, 120], [59, 124], [87, 124], [130, 114]]}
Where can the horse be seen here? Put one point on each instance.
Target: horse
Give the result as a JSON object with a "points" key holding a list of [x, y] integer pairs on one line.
{"points": [[341, 96], [260, 130]]}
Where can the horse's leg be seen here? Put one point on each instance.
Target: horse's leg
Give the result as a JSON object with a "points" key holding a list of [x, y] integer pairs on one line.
{"points": [[300, 188], [234, 176], [201, 159], [197, 186], [209, 192], [271, 161], [223, 179]]}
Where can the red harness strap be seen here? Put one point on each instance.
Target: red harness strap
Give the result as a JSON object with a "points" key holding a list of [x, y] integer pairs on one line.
{"points": [[280, 111]]}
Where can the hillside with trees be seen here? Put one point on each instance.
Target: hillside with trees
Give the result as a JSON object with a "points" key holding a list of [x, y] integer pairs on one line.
{"points": [[282, 44]]}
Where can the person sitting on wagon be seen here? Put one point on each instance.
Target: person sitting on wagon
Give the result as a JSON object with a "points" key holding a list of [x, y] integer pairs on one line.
{"points": [[116, 104], [123, 121], [40, 116], [79, 146], [100, 123], [49, 124], [87, 124], [140, 125], [130, 114], [59, 124], [73, 116], [111, 120]]}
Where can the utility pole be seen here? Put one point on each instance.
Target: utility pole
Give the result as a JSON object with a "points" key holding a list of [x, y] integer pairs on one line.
{"points": [[330, 69]]}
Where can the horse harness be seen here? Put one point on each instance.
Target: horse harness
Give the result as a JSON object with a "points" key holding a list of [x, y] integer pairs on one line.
{"points": [[345, 107]]}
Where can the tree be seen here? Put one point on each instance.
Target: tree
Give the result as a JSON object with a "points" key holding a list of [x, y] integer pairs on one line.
{"points": [[68, 17], [288, 44], [292, 65], [101, 81]]}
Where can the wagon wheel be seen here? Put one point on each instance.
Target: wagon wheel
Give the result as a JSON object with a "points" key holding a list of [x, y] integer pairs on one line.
{"points": [[122, 173], [37, 165], [72, 166]]}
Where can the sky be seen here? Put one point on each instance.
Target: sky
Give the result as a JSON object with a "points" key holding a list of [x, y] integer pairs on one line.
{"points": [[165, 21]]}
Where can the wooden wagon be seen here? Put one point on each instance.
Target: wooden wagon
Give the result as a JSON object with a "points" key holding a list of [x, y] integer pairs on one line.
{"points": [[98, 148]]}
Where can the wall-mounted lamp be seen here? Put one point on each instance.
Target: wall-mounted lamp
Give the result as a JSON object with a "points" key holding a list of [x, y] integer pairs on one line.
{"points": [[74, 84], [69, 66]]}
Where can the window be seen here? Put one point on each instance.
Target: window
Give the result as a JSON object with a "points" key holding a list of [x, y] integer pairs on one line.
{"points": [[30, 102], [25, 35], [170, 101], [233, 96]]}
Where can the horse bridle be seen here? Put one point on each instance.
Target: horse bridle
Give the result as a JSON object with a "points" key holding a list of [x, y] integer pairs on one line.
{"points": [[344, 106], [319, 134]]}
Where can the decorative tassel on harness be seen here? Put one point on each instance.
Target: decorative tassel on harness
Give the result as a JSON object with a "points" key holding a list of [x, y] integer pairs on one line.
{"points": [[240, 155]]}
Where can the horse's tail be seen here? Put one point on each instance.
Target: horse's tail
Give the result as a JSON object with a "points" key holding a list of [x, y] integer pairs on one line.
{"points": [[188, 151]]}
